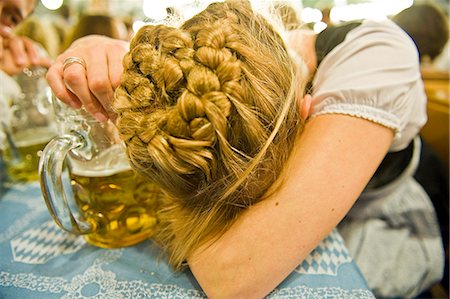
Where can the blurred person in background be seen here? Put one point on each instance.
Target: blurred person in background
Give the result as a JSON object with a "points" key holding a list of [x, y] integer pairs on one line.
{"points": [[41, 31], [442, 62], [428, 26], [16, 54], [427, 23], [97, 24], [63, 20]]}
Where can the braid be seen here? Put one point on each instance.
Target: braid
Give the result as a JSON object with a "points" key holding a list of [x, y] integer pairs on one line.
{"points": [[209, 115], [191, 87]]}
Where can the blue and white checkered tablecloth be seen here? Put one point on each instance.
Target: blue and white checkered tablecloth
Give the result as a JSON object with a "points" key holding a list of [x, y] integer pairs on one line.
{"points": [[39, 260]]}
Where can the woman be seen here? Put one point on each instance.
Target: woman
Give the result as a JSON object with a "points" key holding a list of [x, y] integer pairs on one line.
{"points": [[218, 129]]}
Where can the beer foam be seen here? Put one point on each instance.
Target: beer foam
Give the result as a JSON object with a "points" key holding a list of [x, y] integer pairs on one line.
{"points": [[100, 172], [107, 163], [33, 136]]}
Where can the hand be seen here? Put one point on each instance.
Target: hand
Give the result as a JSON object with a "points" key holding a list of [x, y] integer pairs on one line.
{"points": [[18, 52], [92, 87]]}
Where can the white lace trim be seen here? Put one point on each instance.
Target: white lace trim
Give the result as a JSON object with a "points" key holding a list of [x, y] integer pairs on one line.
{"points": [[107, 287], [369, 113]]}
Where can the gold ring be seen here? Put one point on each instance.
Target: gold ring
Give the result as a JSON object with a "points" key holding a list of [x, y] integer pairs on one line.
{"points": [[73, 59]]}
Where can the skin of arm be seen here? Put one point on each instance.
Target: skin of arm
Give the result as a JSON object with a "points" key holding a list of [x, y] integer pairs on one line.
{"points": [[335, 157]]}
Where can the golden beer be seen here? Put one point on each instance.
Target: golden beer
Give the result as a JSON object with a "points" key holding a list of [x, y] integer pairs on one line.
{"points": [[23, 166], [121, 206]]}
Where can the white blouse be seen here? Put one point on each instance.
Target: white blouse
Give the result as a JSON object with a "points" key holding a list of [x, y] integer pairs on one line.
{"points": [[374, 74]]}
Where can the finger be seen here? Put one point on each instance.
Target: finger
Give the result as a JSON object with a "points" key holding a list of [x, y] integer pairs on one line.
{"points": [[5, 31], [44, 62], [99, 81], [36, 56], [9, 65], [1, 47], [56, 83], [17, 48], [115, 69], [31, 51], [75, 79]]}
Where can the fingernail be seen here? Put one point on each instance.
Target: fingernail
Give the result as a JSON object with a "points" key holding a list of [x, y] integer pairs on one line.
{"points": [[5, 30], [75, 105], [100, 117]]}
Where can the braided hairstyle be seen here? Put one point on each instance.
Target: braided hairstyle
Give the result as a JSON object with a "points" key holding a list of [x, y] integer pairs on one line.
{"points": [[208, 112]]}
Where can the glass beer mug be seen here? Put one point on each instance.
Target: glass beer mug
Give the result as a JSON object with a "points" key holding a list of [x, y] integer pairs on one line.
{"points": [[27, 124], [89, 187]]}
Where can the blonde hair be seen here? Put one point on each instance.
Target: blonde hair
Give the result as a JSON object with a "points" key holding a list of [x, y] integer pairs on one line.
{"points": [[288, 15], [208, 111]]}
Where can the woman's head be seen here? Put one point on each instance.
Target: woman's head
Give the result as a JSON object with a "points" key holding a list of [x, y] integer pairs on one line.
{"points": [[208, 111]]}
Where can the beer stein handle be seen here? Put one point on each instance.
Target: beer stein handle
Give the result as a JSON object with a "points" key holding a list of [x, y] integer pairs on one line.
{"points": [[51, 171]]}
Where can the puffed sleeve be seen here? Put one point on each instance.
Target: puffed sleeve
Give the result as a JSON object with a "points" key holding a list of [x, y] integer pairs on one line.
{"points": [[374, 74]]}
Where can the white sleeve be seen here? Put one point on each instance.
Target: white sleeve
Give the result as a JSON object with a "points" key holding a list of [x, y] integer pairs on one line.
{"points": [[374, 74]]}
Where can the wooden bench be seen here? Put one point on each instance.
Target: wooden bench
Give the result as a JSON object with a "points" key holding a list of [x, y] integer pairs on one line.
{"points": [[436, 130]]}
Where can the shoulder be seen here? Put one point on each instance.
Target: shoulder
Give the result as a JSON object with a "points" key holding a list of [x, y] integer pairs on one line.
{"points": [[373, 44], [370, 31], [373, 56], [374, 74]]}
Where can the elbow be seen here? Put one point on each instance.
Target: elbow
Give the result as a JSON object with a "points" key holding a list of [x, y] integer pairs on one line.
{"points": [[228, 278], [230, 290]]}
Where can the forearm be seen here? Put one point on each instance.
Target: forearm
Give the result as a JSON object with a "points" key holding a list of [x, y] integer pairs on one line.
{"points": [[324, 178]]}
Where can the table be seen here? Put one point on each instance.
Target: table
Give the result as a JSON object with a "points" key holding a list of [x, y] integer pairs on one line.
{"points": [[39, 260]]}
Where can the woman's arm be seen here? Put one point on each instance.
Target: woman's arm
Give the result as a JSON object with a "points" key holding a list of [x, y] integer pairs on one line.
{"points": [[335, 158]]}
